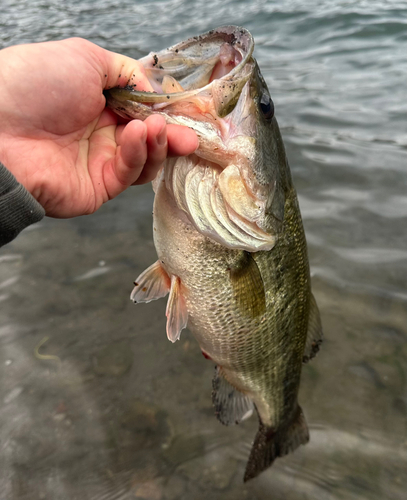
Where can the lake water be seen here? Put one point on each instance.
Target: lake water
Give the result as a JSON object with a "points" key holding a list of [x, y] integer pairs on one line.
{"points": [[122, 413]]}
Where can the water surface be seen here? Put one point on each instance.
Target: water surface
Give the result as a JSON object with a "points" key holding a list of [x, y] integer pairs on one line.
{"points": [[119, 412]]}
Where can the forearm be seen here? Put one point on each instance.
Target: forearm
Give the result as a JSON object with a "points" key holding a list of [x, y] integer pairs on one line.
{"points": [[18, 208]]}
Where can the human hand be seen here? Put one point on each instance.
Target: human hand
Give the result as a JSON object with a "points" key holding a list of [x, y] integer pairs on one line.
{"points": [[58, 139]]}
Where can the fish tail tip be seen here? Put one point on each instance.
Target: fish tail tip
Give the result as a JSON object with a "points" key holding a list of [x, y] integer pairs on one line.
{"points": [[270, 444]]}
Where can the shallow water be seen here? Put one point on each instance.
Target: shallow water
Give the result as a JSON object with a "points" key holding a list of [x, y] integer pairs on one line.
{"points": [[121, 413]]}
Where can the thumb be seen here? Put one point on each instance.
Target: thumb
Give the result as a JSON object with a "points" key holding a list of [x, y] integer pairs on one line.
{"points": [[118, 70]]}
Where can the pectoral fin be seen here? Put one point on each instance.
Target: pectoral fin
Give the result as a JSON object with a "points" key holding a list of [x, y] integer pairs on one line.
{"points": [[231, 406], [176, 312], [248, 286], [314, 334], [152, 284]]}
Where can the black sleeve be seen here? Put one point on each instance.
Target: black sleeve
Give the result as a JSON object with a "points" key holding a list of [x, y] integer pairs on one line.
{"points": [[18, 208]]}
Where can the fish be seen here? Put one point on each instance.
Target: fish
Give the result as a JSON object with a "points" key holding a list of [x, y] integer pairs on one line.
{"points": [[230, 242]]}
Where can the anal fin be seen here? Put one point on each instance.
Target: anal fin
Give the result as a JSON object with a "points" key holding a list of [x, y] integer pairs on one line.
{"points": [[271, 443], [231, 406], [176, 312], [152, 284], [314, 334]]}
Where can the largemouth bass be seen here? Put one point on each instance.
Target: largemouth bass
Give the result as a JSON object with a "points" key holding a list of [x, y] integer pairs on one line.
{"points": [[229, 237]]}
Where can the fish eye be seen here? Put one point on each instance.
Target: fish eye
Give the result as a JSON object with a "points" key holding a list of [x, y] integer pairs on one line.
{"points": [[267, 106]]}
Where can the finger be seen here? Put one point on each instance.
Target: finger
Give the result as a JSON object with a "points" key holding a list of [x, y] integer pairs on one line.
{"points": [[117, 70], [182, 141], [141, 152], [156, 148], [119, 133], [125, 168]]}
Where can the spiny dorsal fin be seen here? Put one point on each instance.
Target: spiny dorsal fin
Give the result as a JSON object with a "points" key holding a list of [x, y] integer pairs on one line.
{"points": [[314, 334], [231, 406]]}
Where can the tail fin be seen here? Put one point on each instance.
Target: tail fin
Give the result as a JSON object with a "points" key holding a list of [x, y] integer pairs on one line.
{"points": [[270, 444]]}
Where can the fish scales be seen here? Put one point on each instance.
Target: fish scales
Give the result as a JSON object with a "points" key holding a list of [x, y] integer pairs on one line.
{"points": [[229, 237]]}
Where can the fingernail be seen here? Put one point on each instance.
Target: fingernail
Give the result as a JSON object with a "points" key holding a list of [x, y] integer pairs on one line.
{"points": [[162, 136]]}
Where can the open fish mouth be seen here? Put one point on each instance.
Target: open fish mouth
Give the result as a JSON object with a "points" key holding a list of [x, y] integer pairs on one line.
{"points": [[190, 67], [209, 83]]}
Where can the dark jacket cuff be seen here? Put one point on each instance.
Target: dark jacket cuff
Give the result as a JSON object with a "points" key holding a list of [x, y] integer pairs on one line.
{"points": [[18, 208]]}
